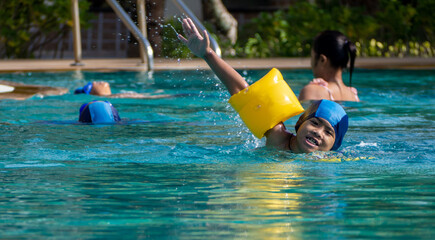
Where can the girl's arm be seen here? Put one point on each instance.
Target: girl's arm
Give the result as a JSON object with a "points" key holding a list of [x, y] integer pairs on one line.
{"points": [[200, 46]]}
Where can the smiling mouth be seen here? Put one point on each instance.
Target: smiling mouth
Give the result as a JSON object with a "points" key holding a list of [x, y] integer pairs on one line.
{"points": [[312, 141]]}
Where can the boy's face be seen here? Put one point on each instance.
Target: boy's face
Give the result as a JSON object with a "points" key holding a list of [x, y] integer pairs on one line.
{"points": [[101, 89], [315, 134]]}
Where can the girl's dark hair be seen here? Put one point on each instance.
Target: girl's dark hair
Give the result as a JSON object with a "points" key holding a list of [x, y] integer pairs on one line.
{"points": [[337, 48]]}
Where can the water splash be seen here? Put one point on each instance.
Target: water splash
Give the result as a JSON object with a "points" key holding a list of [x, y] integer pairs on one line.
{"points": [[169, 25], [364, 144]]}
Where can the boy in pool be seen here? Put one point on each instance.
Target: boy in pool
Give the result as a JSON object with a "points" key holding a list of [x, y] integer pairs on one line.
{"points": [[321, 128], [98, 112], [20, 91], [102, 88]]}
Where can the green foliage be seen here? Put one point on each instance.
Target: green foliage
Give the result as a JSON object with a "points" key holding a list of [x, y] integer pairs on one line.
{"points": [[396, 20], [26, 26], [395, 29], [399, 48], [424, 21]]}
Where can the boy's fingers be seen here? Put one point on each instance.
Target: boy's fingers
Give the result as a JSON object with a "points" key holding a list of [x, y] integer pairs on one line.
{"points": [[186, 27], [183, 39], [193, 27], [206, 37]]}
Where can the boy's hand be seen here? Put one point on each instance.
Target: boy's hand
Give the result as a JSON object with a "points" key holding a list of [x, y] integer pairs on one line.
{"points": [[198, 44]]}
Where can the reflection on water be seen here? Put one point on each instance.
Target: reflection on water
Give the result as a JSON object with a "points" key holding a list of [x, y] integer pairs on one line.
{"points": [[189, 169]]}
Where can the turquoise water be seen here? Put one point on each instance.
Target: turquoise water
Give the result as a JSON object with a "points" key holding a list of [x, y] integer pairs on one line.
{"points": [[187, 168]]}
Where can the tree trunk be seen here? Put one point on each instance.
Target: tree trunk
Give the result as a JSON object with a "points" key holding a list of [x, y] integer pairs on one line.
{"points": [[154, 13], [215, 12]]}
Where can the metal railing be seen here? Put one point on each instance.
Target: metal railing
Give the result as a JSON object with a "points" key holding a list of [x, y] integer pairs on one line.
{"points": [[146, 51], [76, 33], [138, 34]]}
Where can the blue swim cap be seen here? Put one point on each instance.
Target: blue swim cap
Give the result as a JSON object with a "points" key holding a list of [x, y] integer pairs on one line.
{"points": [[98, 112], [85, 89], [336, 116]]}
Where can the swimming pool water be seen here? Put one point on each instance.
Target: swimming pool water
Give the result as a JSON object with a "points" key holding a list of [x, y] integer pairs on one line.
{"points": [[187, 168]]}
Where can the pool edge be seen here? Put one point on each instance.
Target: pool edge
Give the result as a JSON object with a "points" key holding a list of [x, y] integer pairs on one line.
{"points": [[161, 64]]}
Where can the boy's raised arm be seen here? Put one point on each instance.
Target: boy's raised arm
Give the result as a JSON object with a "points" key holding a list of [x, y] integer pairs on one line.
{"points": [[200, 46]]}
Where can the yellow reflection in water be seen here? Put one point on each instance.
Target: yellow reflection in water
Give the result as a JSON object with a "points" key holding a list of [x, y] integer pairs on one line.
{"points": [[265, 204]]}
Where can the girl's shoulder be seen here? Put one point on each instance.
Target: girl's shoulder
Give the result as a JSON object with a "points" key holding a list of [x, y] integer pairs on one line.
{"points": [[319, 82], [353, 90], [355, 93], [315, 90]]}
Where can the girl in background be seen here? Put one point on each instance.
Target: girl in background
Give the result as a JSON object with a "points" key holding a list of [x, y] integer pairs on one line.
{"points": [[330, 54]]}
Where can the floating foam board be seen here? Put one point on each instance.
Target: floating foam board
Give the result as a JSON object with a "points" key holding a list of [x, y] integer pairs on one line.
{"points": [[6, 88]]}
